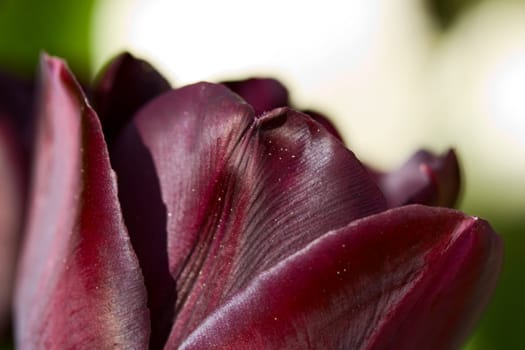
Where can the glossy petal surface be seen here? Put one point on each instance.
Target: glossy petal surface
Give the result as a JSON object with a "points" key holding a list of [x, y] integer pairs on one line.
{"points": [[241, 193], [324, 121], [410, 278], [79, 281], [126, 84], [425, 178]]}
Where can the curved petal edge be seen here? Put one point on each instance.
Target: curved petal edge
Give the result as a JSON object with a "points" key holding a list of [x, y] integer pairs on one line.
{"points": [[413, 277], [79, 281]]}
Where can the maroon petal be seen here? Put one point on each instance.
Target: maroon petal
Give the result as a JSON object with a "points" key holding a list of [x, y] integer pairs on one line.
{"points": [[264, 94], [241, 193], [410, 278], [79, 282], [425, 179], [125, 86], [324, 121], [11, 211], [143, 200]]}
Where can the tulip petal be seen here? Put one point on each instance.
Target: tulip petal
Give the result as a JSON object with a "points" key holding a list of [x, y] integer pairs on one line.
{"points": [[410, 278], [125, 86], [144, 204], [79, 282], [424, 179], [241, 193], [324, 121], [263, 94]]}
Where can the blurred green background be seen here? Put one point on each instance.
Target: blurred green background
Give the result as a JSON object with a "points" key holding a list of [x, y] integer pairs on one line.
{"points": [[409, 74], [60, 27]]}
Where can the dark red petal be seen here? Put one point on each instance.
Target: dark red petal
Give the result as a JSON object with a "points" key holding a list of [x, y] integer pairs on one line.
{"points": [[11, 211], [324, 121], [126, 84], [79, 283], [410, 278], [241, 194], [264, 94], [142, 197], [424, 179]]}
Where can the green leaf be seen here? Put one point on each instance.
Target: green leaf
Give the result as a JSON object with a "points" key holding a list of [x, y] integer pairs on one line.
{"points": [[59, 27]]}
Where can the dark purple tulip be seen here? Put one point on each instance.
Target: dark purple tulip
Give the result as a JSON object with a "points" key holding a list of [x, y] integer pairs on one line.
{"points": [[232, 229]]}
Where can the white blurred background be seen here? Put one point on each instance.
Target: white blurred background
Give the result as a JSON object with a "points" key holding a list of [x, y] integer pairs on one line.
{"points": [[381, 69]]}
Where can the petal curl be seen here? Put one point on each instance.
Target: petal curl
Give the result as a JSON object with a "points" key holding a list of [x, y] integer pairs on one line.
{"points": [[125, 85], [424, 178], [410, 278], [263, 94], [79, 281], [241, 193]]}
